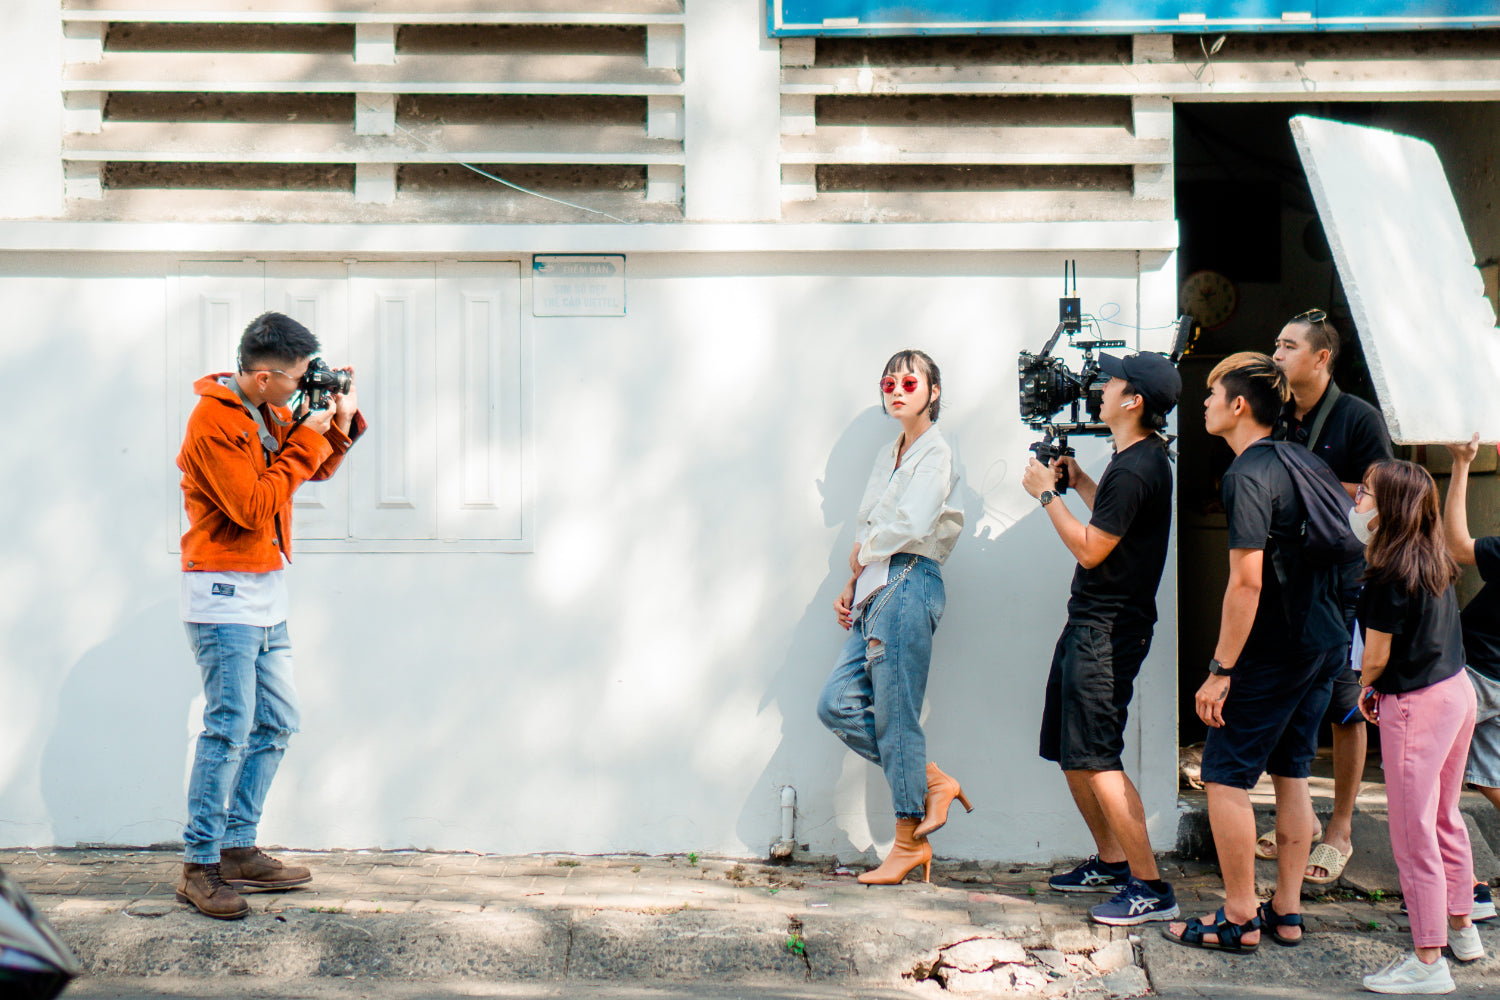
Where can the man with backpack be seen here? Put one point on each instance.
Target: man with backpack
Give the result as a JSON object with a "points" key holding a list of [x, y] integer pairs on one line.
{"points": [[1350, 435], [1281, 640]]}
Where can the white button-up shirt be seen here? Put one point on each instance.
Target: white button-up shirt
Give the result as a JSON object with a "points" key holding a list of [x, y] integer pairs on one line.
{"points": [[909, 508]]}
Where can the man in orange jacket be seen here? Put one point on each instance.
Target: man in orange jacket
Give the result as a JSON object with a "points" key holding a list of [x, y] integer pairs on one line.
{"points": [[242, 459]]}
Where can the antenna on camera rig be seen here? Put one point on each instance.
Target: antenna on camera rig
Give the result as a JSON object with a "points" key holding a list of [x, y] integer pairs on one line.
{"points": [[1047, 385]]}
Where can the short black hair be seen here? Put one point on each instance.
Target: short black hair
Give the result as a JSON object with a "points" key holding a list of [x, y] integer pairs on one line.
{"points": [[911, 360], [1254, 378], [1152, 419], [275, 338]]}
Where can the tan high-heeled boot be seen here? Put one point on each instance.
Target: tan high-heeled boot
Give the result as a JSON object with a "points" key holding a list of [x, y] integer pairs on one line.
{"points": [[907, 853], [942, 789]]}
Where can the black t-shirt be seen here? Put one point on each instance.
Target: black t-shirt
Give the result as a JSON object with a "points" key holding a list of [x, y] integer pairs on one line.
{"points": [[1481, 619], [1299, 608], [1427, 644], [1353, 437], [1134, 503]]}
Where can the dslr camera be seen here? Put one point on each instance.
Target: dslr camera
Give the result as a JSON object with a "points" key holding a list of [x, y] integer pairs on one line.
{"points": [[320, 382], [1049, 386]]}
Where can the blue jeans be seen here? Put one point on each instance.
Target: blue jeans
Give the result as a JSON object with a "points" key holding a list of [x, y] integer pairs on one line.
{"points": [[250, 715], [873, 699]]}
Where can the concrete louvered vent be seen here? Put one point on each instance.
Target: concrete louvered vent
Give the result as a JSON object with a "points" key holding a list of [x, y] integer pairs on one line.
{"points": [[365, 110], [988, 129]]}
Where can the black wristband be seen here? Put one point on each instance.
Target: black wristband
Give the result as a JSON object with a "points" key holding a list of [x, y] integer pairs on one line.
{"points": [[1217, 669]]}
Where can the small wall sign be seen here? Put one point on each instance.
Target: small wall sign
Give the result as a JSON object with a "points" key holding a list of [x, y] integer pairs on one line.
{"points": [[575, 284]]}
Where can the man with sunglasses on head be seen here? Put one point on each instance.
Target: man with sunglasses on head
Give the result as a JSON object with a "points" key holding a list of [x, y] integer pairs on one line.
{"points": [[242, 458], [1111, 614], [1350, 435]]}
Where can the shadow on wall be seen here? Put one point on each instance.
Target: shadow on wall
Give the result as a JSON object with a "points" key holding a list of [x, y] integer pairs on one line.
{"points": [[793, 691], [117, 749], [847, 809]]}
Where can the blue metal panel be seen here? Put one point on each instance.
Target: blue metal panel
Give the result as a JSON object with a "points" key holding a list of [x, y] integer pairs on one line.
{"points": [[927, 17]]}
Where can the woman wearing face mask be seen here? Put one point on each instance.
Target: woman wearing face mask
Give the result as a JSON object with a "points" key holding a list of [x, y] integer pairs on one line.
{"points": [[1414, 688], [891, 605]]}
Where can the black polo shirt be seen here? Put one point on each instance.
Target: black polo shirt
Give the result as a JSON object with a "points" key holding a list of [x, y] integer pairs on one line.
{"points": [[1481, 619], [1299, 610], [1353, 437]]}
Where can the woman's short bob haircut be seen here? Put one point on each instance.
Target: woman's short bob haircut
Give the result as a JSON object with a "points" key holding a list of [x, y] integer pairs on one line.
{"points": [[917, 361]]}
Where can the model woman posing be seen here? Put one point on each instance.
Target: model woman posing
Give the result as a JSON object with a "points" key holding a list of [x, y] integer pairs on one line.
{"points": [[891, 606], [1414, 688]]}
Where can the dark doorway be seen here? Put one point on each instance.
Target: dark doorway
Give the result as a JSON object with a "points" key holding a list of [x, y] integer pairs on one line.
{"points": [[1250, 232]]}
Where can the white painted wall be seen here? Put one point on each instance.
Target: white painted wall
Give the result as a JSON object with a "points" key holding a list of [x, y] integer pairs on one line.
{"points": [[31, 114], [645, 679]]}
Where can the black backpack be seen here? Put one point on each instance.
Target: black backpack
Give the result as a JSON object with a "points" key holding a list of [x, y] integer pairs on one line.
{"points": [[1327, 538]]}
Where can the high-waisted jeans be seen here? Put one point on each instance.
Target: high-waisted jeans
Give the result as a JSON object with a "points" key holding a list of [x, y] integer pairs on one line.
{"points": [[873, 698], [251, 713], [1424, 743]]}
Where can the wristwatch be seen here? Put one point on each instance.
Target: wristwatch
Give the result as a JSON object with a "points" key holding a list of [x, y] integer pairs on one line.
{"points": [[1046, 497], [1218, 669]]}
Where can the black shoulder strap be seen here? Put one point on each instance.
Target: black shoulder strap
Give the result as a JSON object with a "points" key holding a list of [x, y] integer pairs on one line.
{"points": [[1329, 398]]}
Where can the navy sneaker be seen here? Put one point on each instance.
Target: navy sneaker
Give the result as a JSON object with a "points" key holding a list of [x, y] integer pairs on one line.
{"points": [[1093, 875], [1136, 904], [1484, 904]]}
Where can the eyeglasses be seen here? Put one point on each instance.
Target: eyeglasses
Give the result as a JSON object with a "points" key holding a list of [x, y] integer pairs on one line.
{"points": [[1311, 316], [1360, 492], [908, 384], [276, 371]]}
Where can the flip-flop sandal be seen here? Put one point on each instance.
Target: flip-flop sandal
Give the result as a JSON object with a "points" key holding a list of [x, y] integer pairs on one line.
{"points": [[1229, 935], [1331, 860], [1265, 844], [1270, 920]]}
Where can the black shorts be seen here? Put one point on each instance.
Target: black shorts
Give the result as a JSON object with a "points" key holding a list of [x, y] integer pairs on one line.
{"points": [[1088, 696], [1345, 698], [1271, 718]]}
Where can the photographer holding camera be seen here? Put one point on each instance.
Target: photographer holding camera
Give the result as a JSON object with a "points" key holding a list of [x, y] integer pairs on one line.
{"points": [[1111, 615], [242, 458]]}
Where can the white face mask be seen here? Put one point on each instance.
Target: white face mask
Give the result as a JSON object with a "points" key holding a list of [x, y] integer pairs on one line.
{"points": [[1360, 524]]}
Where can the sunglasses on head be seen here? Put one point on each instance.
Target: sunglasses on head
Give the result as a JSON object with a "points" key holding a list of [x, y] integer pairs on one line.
{"points": [[1311, 316], [909, 383]]}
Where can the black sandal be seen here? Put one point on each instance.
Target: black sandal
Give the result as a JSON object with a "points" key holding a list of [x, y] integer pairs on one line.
{"points": [[1271, 920], [1229, 934]]}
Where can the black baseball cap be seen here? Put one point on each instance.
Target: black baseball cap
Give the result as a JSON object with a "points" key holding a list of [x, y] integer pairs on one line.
{"points": [[1153, 376]]}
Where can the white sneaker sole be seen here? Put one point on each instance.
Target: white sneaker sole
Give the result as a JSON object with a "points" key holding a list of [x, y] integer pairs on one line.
{"points": [[1140, 918]]}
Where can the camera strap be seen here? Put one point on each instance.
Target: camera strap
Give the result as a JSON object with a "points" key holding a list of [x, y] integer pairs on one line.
{"points": [[267, 439], [1329, 398]]}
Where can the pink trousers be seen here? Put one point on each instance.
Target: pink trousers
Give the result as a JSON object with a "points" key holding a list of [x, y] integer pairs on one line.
{"points": [[1424, 744]]}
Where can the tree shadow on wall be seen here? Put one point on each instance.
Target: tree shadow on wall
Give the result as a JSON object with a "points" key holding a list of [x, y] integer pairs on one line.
{"points": [[119, 747], [793, 691]]}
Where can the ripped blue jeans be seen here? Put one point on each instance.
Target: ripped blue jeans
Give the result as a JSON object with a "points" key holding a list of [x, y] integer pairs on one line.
{"points": [[873, 699], [251, 713]]}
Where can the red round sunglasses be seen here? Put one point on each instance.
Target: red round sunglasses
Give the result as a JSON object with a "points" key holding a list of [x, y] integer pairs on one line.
{"points": [[908, 384]]}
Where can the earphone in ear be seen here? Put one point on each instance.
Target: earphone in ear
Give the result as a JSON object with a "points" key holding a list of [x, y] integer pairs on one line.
{"points": [[1124, 405]]}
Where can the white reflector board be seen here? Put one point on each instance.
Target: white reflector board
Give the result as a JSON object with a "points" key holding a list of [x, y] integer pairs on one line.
{"points": [[1408, 270]]}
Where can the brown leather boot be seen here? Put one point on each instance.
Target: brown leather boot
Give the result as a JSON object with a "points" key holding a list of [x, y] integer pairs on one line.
{"points": [[907, 853], [203, 887], [252, 868], [941, 791]]}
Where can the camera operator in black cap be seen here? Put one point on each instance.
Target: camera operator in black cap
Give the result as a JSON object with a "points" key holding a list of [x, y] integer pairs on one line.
{"points": [[1111, 614]]}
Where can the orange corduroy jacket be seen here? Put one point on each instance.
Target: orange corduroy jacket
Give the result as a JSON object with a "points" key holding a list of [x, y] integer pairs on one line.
{"points": [[239, 508]]}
